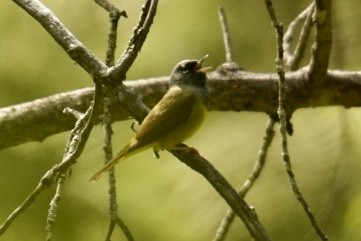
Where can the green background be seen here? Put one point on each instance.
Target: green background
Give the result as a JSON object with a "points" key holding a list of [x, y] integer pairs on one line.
{"points": [[162, 199]]}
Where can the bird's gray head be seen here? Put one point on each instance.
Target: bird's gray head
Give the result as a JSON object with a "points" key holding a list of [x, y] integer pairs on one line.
{"points": [[189, 73]]}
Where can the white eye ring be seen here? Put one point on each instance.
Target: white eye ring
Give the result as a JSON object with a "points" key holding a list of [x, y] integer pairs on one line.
{"points": [[184, 68]]}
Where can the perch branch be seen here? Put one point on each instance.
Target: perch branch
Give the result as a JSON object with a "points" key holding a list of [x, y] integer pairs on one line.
{"points": [[118, 72], [203, 167], [41, 118]]}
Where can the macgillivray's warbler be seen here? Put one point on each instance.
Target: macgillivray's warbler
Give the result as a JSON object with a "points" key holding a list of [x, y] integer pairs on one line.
{"points": [[175, 118]]}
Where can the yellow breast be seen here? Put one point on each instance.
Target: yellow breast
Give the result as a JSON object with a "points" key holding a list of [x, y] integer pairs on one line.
{"points": [[191, 123]]}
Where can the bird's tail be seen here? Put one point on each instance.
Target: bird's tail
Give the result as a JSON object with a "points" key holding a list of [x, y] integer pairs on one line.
{"points": [[110, 164]]}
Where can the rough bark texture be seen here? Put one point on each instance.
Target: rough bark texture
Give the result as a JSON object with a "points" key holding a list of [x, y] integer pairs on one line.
{"points": [[229, 91]]}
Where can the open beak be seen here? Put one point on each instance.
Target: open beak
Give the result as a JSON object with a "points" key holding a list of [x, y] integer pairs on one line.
{"points": [[199, 67]]}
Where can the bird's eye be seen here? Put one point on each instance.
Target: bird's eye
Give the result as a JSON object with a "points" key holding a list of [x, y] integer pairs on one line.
{"points": [[184, 68]]}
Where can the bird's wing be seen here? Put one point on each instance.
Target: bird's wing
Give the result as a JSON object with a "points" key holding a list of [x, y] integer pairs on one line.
{"points": [[172, 110]]}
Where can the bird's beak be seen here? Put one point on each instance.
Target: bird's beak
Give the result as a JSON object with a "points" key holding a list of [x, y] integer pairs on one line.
{"points": [[199, 67]]}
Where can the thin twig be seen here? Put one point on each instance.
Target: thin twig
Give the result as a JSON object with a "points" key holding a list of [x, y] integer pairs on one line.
{"points": [[114, 16], [111, 9], [80, 133], [74, 147], [124, 228], [262, 154], [45, 182], [257, 169], [53, 210], [302, 40], [229, 65], [113, 206], [226, 35], [283, 121], [77, 114], [126, 96], [136, 41], [293, 59], [110, 231]]}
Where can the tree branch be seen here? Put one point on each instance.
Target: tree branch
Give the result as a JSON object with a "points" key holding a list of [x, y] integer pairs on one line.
{"points": [[282, 116], [136, 42], [79, 53], [227, 220], [220, 184], [226, 35], [38, 119], [293, 59], [72, 46], [239, 97]]}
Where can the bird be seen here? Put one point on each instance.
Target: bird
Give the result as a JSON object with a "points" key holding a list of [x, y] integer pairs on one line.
{"points": [[175, 118]]}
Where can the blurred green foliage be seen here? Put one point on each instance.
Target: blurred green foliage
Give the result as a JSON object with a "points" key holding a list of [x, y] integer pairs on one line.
{"points": [[163, 199]]}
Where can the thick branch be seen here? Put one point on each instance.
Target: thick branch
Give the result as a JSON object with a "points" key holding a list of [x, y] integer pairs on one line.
{"points": [[236, 91]]}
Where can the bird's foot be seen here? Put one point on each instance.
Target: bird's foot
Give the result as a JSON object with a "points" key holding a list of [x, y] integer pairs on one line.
{"points": [[156, 153]]}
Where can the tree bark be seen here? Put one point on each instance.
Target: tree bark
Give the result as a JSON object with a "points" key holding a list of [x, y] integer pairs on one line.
{"points": [[228, 91]]}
